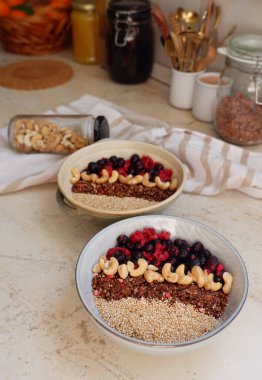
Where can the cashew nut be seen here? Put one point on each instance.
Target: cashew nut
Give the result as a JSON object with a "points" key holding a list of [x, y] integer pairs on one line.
{"points": [[85, 176], [198, 276], [183, 279], [210, 284], [152, 267], [97, 268], [94, 177], [135, 180], [104, 177], [168, 275], [146, 181], [151, 276], [75, 175], [123, 179], [102, 261], [162, 185], [111, 266], [122, 271], [228, 279], [114, 177], [173, 184], [142, 267]]}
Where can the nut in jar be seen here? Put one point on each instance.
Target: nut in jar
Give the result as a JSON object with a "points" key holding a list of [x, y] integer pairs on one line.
{"points": [[62, 134]]}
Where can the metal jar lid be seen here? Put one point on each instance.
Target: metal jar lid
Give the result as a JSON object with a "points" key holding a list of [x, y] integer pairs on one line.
{"points": [[84, 5], [133, 11]]}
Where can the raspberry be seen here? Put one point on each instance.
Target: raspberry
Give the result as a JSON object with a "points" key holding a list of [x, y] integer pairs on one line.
{"points": [[164, 235], [168, 295], [220, 267], [109, 168], [137, 236], [165, 175], [122, 171], [126, 165], [147, 162]]}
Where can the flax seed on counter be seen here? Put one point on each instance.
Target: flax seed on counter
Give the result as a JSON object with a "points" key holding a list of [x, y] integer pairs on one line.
{"points": [[137, 182], [151, 274]]}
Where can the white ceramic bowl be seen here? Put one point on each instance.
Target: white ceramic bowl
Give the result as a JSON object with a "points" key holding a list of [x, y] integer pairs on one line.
{"points": [[179, 227], [125, 149]]}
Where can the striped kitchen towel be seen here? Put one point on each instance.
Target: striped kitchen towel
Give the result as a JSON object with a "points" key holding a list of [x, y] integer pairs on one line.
{"points": [[212, 165]]}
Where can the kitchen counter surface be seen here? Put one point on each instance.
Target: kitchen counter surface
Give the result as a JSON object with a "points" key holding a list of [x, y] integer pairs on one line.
{"points": [[45, 331]]}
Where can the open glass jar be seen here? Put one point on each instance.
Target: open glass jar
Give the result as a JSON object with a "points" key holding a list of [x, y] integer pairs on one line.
{"points": [[238, 116], [62, 134]]}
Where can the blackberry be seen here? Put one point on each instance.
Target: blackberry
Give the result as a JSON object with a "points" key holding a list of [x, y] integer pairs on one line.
{"points": [[158, 167], [120, 162], [197, 247], [149, 247], [211, 263]]}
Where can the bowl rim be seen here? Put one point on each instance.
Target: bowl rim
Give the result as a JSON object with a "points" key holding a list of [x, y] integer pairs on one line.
{"points": [[131, 212], [162, 346]]}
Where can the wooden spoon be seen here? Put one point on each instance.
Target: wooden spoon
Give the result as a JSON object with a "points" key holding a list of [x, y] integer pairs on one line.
{"points": [[204, 62]]}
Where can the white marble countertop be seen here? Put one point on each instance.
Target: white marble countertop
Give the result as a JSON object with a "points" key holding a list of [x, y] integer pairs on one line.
{"points": [[45, 333]]}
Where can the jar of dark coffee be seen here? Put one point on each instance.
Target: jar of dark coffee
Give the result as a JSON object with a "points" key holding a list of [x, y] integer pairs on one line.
{"points": [[130, 41]]}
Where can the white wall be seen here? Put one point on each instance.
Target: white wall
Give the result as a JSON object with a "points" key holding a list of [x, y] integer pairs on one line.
{"points": [[247, 14]]}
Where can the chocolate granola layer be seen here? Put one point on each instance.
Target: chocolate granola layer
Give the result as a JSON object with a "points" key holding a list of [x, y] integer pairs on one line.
{"points": [[114, 288], [122, 190]]}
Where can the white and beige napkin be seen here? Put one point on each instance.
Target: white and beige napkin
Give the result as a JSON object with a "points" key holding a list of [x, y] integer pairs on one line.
{"points": [[212, 165]]}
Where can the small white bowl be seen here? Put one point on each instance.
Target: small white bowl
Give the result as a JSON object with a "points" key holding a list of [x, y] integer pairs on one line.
{"points": [[125, 149], [179, 227]]}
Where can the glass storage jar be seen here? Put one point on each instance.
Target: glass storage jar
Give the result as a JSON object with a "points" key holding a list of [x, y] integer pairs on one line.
{"points": [[238, 116], [62, 134], [130, 41], [85, 31]]}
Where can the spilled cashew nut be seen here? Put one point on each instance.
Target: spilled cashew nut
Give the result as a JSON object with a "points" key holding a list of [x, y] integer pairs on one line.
{"points": [[183, 279], [162, 185], [97, 268], [135, 180], [228, 279], [123, 179], [111, 266], [146, 181], [75, 175], [168, 275], [142, 267], [198, 276], [122, 271], [210, 284], [151, 276], [114, 177], [173, 184], [104, 177]]}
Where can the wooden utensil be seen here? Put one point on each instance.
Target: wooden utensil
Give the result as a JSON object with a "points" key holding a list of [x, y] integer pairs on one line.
{"points": [[204, 62]]}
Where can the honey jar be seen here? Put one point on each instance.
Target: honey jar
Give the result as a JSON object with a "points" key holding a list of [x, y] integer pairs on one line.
{"points": [[85, 31]]}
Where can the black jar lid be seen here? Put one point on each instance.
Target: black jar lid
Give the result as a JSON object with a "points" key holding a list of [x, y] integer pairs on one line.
{"points": [[101, 128], [139, 10]]}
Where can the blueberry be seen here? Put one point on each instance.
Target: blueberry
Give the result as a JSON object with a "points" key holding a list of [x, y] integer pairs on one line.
{"points": [[120, 162], [197, 247], [132, 170], [139, 167], [122, 240], [92, 168], [136, 254], [183, 253], [173, 250], [218, 279], [120, 256], [158, 167], [195, 262], [180, 242], [205, 252], [113, 159], [212, 263], [129, 245], [202, 259], [192, 257], [102, 162], [134, 159], [149, 247], [173, 261]]}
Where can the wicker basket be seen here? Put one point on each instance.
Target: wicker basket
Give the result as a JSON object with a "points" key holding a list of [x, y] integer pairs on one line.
{"points": [[46, 31]]}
